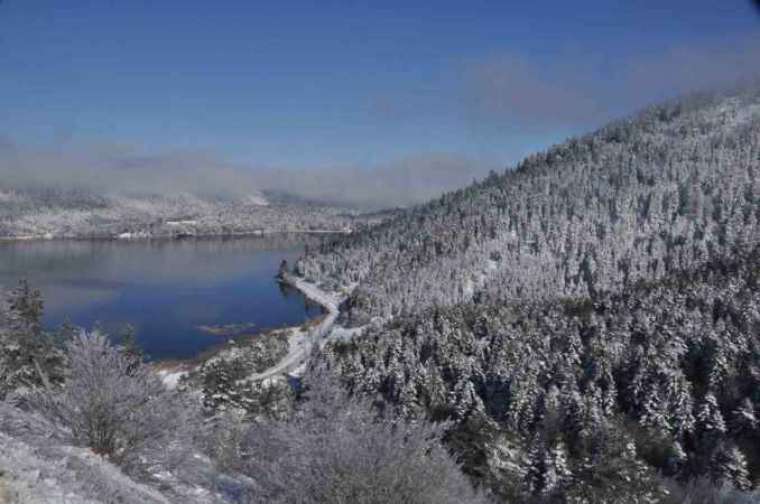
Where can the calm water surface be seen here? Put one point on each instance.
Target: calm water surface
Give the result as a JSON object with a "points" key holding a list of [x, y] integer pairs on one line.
{"points": [[166, 289]]}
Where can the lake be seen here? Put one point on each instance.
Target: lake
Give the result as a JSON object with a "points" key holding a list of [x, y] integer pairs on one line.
{"points": [[175, 293]]}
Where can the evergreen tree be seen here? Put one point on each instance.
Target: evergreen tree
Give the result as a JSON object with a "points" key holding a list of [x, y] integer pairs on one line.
{"points": [[709, 418], [26, 306], [730, 466], [743, 419]]}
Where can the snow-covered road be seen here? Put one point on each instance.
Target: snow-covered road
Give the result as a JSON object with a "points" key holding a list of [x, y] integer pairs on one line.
{"points": [[302, 341]]}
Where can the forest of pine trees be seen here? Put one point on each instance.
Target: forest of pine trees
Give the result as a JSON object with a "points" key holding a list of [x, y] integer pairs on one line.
{"points": [[659, 381], [589, 321]]}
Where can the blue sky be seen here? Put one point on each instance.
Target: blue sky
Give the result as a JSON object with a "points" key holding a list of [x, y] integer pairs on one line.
{"points": [[326, 83]]}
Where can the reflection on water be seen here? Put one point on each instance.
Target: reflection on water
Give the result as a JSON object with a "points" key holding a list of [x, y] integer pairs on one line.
{"points": [[166, 289]]}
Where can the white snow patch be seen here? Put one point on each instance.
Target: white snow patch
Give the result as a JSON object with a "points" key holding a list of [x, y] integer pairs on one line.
{"points": [[345, 334], [256, 199], [171, 378]]}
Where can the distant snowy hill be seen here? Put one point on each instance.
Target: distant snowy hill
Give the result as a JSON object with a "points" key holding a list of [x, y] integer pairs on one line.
{"points": [[48, 213]]}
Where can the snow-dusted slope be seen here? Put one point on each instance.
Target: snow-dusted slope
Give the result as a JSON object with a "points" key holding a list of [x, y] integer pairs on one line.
{"points": [[636, 200], [67, 215], [38, 465]]}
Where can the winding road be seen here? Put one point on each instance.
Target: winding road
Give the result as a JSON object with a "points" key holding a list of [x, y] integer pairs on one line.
{"points": [[302, 342]]}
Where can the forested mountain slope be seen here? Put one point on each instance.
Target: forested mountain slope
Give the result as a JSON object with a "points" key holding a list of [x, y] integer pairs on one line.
{"points": [[588, 321], [640, 198], [603, 400]]}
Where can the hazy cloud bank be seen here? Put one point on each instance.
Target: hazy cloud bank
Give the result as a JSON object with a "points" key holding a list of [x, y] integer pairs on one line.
{"points": [[111, 169], [581, 88], [404, 182], [115, 170]]}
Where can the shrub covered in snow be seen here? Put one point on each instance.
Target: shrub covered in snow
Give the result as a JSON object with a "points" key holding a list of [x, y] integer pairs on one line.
{"points": [[118, 408], [336, 449]]}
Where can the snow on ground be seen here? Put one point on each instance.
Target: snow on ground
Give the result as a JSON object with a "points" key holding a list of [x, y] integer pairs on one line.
{"points": [[256, 199], [58, 475], [345, 334], [38, 465], [331, 301], [300, 344], [302, 341], [133, 236], [171, 378], [192, 222]]}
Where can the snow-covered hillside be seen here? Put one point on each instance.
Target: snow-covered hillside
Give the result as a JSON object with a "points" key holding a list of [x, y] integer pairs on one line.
{"points": [[66, 214]]}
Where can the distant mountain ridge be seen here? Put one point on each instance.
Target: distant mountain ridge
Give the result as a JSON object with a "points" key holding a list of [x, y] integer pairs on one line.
{"points": [[51, 213]]}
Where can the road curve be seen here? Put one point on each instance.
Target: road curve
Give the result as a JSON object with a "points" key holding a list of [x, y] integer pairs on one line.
{"points": [[302, 342]]}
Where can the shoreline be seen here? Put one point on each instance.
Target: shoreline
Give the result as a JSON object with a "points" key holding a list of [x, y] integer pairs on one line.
{"points": [[139, 238], [301, 339], [301, 343]]}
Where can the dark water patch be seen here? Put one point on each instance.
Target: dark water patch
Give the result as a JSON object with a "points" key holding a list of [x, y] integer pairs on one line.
{"points": [[165, 289]]}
